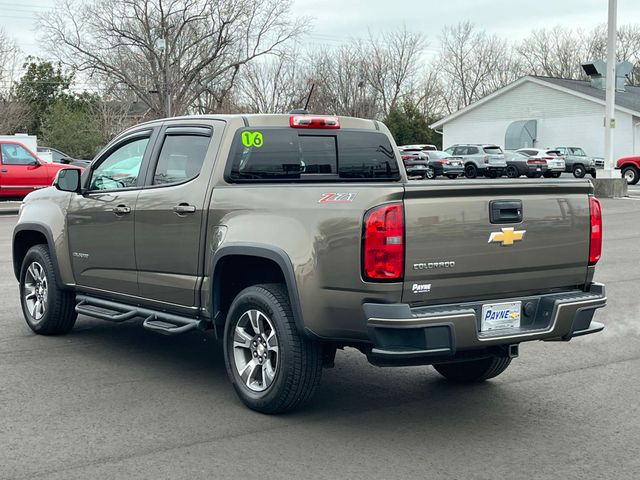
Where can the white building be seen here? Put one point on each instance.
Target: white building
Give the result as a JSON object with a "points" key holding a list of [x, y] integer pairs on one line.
{"points": [[547, 112]]}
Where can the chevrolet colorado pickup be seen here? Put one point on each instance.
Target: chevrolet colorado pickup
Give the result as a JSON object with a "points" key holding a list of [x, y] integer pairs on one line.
{"points": [[291, 236]]}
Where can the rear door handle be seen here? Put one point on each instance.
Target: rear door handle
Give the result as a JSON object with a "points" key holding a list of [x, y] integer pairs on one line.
{"points": [[184, 208], [121, 210], [4, 170]]}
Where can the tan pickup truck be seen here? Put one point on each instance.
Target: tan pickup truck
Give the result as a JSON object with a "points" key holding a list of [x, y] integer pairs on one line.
{"points": [[291, 236]]}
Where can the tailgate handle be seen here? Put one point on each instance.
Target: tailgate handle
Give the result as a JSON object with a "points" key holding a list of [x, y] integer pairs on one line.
{"points": [[505, 211]]}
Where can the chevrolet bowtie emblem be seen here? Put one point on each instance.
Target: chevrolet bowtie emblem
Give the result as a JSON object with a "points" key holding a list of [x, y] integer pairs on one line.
{"points": [[508, 236]]}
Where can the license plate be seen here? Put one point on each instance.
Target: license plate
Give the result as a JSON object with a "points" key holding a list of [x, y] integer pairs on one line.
{"points": [[500, 315]]}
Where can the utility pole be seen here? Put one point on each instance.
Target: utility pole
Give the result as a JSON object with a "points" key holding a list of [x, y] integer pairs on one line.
{"points": [[610, 107]]}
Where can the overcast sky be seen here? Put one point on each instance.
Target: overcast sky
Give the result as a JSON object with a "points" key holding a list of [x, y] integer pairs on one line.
{"points": [[337, 20]]}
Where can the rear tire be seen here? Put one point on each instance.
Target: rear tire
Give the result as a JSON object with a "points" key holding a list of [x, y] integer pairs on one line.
{"points": [[631, 175], [473, 371], [470, 170], [48, 309], [272, 367], [579, 171]]}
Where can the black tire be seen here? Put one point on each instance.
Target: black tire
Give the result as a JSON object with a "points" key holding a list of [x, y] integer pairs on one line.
{"points": [[512, 172], [631, 174], [470, 170], [430, 173], [579, 171], [452, 176], [298, 366], [58, 315], [473, 371], [593, 174]]}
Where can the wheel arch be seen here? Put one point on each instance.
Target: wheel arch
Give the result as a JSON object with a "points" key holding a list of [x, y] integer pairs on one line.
{"points": [[27, 235], [229, 277]]}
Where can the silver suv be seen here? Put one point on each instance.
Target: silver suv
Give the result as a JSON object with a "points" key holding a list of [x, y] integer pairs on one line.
{"points": [[480, 159]]}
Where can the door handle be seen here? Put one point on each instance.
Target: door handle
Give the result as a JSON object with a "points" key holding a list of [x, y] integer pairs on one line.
{"points": [[505, 211], [184, 208], [4, 170], [121, 210]]}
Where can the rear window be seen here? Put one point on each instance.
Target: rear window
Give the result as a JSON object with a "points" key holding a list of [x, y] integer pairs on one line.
{"points": [[492, 150], [286, 154]]}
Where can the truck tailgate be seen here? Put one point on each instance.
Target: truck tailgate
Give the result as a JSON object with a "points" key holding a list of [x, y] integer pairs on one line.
{"points": [[454, 252]]}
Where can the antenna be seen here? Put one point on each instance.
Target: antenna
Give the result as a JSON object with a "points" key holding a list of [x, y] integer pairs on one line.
{"points": [[306, 105]]}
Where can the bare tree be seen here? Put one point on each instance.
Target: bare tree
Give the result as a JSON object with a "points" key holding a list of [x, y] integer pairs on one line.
{"points": [[168, 52], [394, 62], [13, 113], [473, 64], [274, 84]]}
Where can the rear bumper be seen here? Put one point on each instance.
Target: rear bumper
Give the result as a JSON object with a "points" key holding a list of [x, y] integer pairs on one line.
{"points": [[402, 335]]}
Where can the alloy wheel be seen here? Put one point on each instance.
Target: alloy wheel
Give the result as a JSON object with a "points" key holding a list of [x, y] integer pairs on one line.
{"points": [[255, 350], [36, 290]]}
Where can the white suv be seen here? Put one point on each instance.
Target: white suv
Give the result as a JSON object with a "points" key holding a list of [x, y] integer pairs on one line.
{"points": [[480, 159]]}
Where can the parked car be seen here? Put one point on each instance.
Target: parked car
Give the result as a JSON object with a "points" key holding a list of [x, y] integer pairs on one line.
{"points": [[438, 163], [22, 171], [519, 163], [555, 163], [445, 164], [425, 147], [416, 163], [480, 159], [578, 162], [630, 168], [409, 274], [57, 156]]}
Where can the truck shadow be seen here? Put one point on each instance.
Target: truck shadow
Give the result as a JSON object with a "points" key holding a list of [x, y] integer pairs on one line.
{"points": [[351, 389]]}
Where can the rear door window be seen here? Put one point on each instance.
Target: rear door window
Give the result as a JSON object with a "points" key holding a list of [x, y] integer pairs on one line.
{"points": [[472, 150], [181, 158], [284, 154]]}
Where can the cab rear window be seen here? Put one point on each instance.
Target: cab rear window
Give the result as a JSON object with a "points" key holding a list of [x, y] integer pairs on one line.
{"points": [[285, 154]]}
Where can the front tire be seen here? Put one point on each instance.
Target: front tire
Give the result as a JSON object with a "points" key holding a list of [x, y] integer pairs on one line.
{"points": [[273, 368], [430, 173], [473, 371], [512, 172], [48, 309], [631, 175]]}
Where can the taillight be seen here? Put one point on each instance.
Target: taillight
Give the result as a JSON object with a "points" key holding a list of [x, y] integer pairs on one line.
{"points": [[307, 121], [407, 157], [536, 162], [383, 243], [486, 159], [595, 244]]}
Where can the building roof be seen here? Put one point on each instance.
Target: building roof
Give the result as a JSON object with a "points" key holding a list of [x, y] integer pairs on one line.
{"points": [[628, 101]]}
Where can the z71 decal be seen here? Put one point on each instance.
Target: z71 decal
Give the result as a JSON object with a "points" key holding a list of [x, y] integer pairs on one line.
{"points": [[337, 197]]}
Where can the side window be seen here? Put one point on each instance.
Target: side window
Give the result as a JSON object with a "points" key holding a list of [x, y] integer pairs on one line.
{"points": [[472, 151], [181, 158], [13, 154], [460, 151], [120, 169]]}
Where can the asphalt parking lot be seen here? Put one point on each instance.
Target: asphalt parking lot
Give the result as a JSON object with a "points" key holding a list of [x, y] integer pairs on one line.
{"points": [[117, 401]]}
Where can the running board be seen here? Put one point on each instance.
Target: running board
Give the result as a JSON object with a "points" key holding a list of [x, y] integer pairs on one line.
{"points": [[156, 321]]}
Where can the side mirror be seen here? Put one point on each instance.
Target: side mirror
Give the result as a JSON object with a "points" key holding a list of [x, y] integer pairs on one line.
{"points": [[68, 180]]}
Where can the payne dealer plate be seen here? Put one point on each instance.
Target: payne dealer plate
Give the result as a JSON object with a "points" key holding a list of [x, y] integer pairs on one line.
{"points": [[496, 316]]}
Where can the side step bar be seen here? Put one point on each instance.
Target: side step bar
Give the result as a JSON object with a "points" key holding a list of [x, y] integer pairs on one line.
{"points": [[156, 321]]}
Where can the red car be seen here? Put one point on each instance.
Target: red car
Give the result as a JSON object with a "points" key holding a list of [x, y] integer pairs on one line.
{"points": [[21, 171], [630, 167]]}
